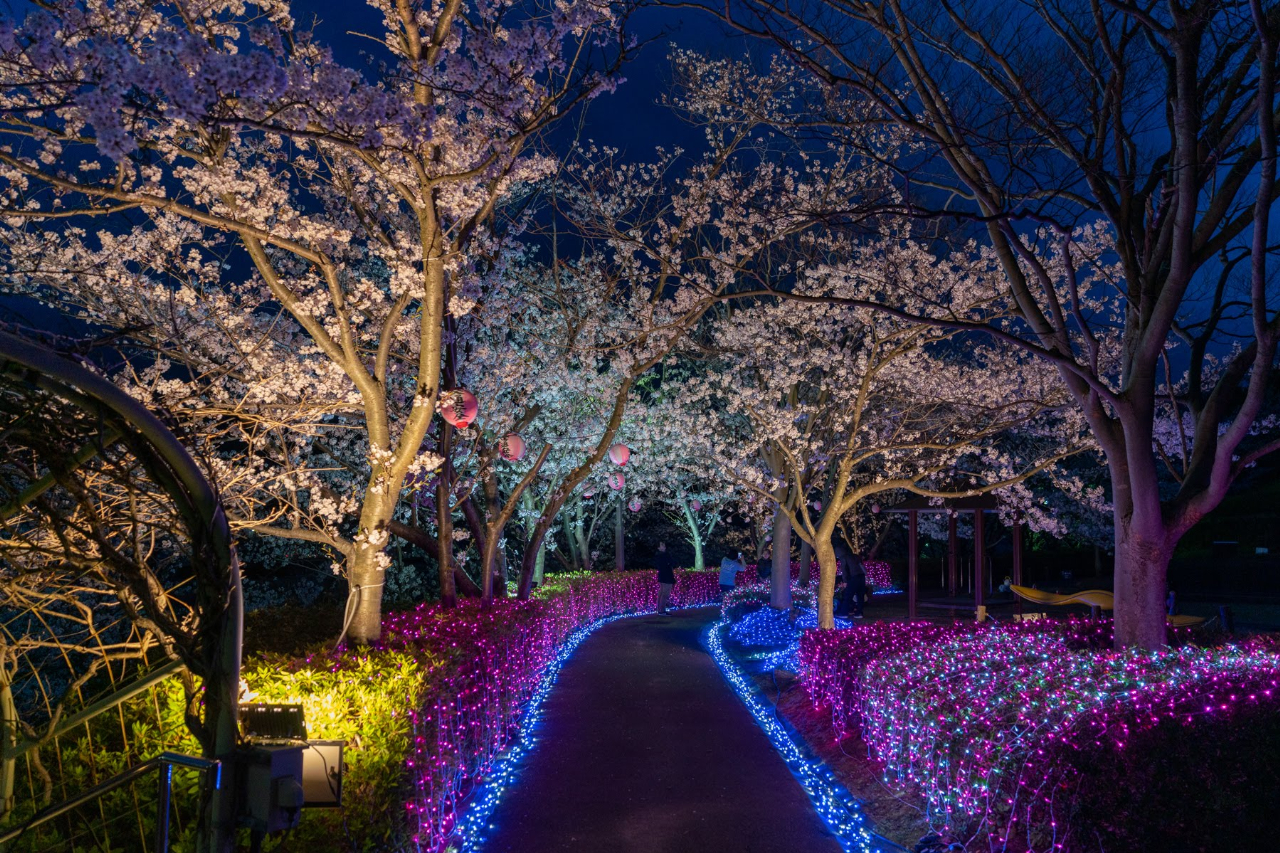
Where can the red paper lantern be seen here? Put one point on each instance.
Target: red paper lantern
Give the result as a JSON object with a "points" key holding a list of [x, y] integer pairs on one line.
{"points": [[511, 447], [589, 493], [459, 407], [634, 506], [695, 505], [617, 481], [619, 454]]}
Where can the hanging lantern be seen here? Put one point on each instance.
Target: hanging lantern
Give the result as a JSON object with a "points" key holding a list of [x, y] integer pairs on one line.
{"points": [[695, 505], [817, 506], [459, 407], [619, 454], [511, 447], [589, 493], [875, 508], [617, 481], [634, 506]]}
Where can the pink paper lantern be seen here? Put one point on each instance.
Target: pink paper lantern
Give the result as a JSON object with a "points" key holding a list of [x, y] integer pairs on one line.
{"points": [[459, 407], [634, 506], [695, 505], [511, 447], [875, 507], [619, 454], [817, 506], [617, 481], [589, 493]]}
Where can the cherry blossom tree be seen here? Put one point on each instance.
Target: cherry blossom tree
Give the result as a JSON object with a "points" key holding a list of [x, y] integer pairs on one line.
{"points": [[669, 240], [839, 402], [1156, 124], [285, 232]]}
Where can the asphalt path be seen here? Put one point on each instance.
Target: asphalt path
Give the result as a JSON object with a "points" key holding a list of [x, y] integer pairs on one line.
{"points": [[643, 748]]}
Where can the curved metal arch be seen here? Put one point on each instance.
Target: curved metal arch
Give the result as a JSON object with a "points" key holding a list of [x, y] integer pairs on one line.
{"points": [[166, 460]]}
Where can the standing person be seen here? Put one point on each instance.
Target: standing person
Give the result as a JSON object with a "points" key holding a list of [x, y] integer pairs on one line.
{"points": [[666, 566], [764, 566], [729, 573], [855, 580]]}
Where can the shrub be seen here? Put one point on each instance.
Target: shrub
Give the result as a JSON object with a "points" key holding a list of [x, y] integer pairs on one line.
{"points": [[1011, 731]]}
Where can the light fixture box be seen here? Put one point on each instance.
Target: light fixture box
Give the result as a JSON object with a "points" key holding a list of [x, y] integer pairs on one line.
{"points": [[271, 790], [322, 774]]}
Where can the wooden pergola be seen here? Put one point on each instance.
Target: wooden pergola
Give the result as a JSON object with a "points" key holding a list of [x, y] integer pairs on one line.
{"points": [[979, 505]]}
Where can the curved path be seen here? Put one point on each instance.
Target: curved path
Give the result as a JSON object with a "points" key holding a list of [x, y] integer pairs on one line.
{"points": [[643, 748]]}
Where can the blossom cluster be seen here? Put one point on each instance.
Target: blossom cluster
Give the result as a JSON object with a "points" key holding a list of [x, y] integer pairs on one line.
{"points": [[485, 665], [998, 726]]}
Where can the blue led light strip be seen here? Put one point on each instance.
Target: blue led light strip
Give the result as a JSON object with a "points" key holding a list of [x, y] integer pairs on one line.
{"points": [[469, 833], [473, 824], [833, 802]]}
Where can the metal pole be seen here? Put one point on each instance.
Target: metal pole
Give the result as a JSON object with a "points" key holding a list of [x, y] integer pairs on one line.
{"points": [[162, 808]]}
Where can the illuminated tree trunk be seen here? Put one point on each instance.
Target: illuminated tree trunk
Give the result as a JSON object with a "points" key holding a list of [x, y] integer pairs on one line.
{"points": [[780, 580], [366, 569], [827, 570], [540, 563], [695, 535]]}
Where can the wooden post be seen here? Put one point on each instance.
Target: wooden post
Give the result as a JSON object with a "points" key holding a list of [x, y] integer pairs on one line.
{"points": [[953, 576], [913, 561], [979, 561], [1017, 550]]}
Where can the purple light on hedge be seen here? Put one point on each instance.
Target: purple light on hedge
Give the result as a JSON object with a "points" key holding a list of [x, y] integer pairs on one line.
{"points": [[990, 722], [494, 663]]}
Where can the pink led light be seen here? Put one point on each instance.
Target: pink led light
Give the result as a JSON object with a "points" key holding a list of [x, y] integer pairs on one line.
{"points": [[493, 661], [996, 725]]}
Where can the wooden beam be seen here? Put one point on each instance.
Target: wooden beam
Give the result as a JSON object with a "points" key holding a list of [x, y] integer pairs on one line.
{"points": [[979, 559], [913, 562]]}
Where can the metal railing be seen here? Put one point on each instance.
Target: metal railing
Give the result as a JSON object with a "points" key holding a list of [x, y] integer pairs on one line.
{"points": [[163, 763]]}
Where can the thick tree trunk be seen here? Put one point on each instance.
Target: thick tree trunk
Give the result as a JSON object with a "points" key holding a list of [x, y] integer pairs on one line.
{"points": [[827, 569], [780, 580], [1142, 571], [806, 558], [366, 576]]}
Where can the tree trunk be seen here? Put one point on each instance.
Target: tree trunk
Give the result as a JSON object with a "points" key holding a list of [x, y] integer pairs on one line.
{"points": [[540, 563], [619, 538], [806, 558], [580, 542], [1142, 570], [827, 569], [366, 576], [780, 581], [695, 536]]}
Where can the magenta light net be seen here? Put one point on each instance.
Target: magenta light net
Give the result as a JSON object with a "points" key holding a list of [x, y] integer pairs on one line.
{"points": [[989, 723], [493, 660]]}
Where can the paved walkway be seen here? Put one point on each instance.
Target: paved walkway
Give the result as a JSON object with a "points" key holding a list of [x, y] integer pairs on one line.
{"points": [[643, 748]]}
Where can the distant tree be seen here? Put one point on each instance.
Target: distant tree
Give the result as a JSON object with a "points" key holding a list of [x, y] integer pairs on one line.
{"points": [[845, 402]]}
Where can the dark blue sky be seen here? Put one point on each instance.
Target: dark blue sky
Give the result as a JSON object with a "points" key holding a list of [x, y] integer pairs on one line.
{"points": [[630, 119]]}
